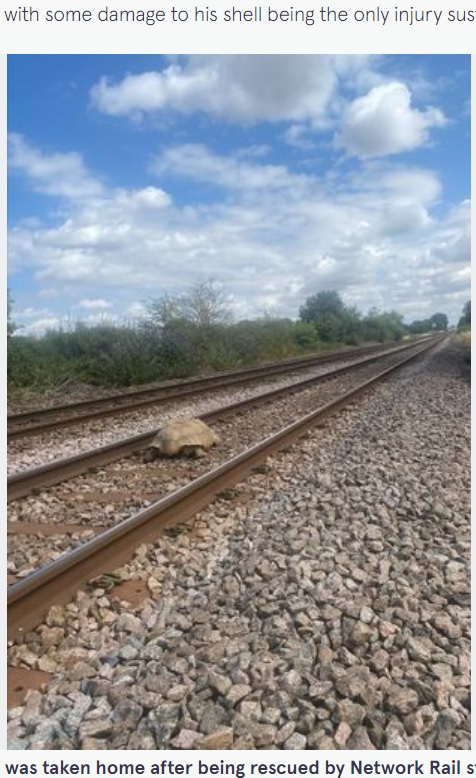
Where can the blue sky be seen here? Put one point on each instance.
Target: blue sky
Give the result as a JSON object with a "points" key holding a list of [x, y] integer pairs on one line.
{"points": [[275, 176]]}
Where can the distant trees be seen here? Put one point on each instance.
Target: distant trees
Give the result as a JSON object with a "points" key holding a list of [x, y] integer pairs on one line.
{"points": [[465, 320], [338, 323], [189, 327], [326, 311], [270, 338], [439, 321], [163, 310], [192, 333], [383, 326], [419, 327], [203, 304], [327, 303], [11, 326]]}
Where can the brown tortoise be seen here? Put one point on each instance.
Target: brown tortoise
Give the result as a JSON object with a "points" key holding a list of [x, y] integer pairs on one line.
{"points": [[189, 437]]}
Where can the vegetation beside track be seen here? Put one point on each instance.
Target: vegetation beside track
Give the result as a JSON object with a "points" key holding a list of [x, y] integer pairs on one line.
{"points": [[464, 331], [187, 336], [464, 341]]}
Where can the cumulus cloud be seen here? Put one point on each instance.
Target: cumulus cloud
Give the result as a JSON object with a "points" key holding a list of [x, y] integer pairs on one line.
{"points": [[383, 122], [243, 88], [275, 175], [59, 175], [275, 237], [298, 135], [33, 313], [420, 185], [402, 196], [454, 245], [91, 304], [303, 91], [196, 161], [42, 325]]}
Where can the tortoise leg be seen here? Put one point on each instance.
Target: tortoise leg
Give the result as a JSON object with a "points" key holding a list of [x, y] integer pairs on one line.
{"points": [[188, 451]]}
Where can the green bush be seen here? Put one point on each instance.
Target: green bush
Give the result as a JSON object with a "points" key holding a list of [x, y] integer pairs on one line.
{"points": [[186, 336]]}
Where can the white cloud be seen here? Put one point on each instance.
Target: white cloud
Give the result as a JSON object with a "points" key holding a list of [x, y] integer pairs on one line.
{"points": [[150, 198], [136, 310], [42, 325], [455, 238], [402, 197], [304, 91], [59, 175], [419, 185], [275, 238], [91, 304], [244, 88], [197, 162], [43, 321], [33, 313], [298, 135], [383, 122]]}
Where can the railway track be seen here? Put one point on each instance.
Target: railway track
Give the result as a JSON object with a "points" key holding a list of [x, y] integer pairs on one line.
{"points": [[25, 482], [30, 598], [34, 422]]}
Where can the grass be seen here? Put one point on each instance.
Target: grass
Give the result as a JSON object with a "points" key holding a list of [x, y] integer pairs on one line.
{"points": [[465, 339]]}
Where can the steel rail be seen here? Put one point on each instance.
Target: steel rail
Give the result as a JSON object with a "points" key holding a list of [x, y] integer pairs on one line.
{"points": [[177, 384], [28, 600], [27, 481], [101, 408]]}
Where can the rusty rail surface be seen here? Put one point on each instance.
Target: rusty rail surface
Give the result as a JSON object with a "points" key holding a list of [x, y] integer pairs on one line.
{"points": [[18, 425], [27, 481], [28, 600]]}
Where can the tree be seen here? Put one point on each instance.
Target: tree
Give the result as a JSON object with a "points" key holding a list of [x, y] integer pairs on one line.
{"points": [[305, 336], [339, 323], [351, 322], [327, 303], [419, 327], [330, 328], [11, 326], [164, 309], [382, 326], [465, 320], [202, 305], [327, 312], [439, 321]]}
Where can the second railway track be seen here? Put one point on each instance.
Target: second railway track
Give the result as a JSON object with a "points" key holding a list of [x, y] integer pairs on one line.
{"points": [[34, 422]]}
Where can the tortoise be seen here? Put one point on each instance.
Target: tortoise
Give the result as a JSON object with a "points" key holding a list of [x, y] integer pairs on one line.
{"points": [[189, 437]]}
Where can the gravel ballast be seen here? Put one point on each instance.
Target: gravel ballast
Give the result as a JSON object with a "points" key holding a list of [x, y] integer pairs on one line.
{"points": [[323, 605]]}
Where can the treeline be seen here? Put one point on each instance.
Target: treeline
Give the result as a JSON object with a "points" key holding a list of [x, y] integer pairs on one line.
{"points": [[465, 320], [337, 323], [185, 336]]}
